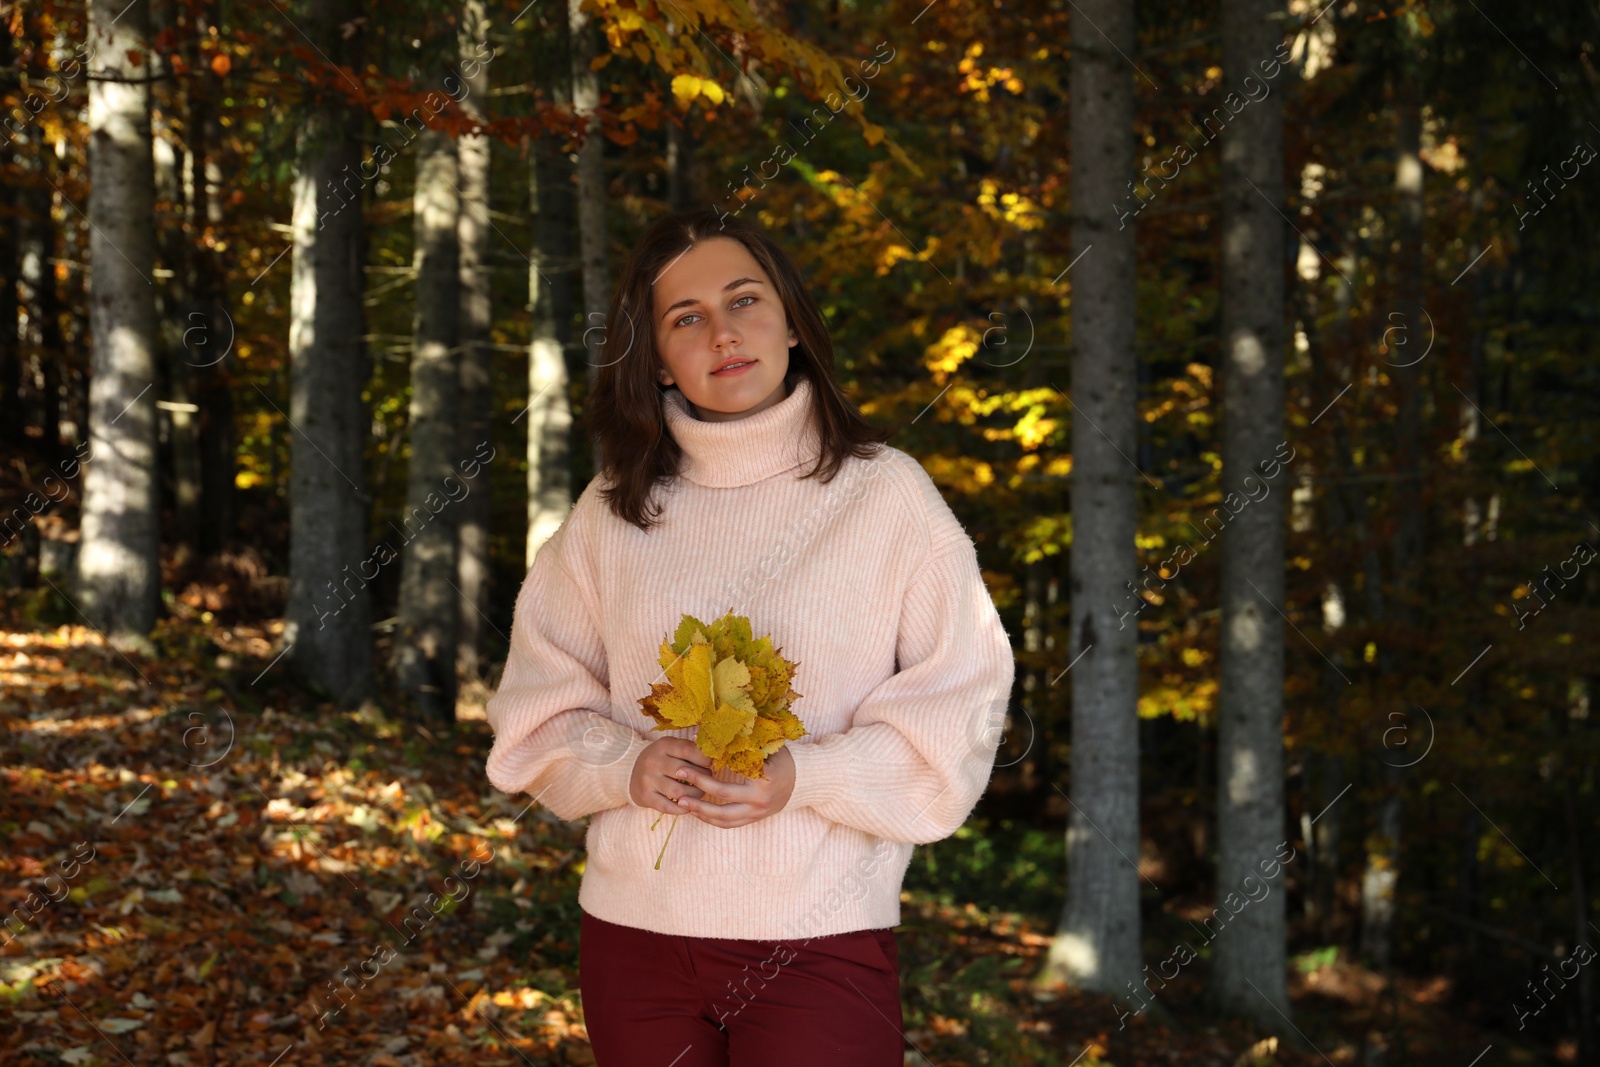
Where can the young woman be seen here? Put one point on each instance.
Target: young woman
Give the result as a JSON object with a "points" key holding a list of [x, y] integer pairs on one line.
{"points": [[736, 476]]}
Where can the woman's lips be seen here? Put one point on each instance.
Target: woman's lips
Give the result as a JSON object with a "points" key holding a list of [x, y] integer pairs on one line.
{"points": [[730, 371]]}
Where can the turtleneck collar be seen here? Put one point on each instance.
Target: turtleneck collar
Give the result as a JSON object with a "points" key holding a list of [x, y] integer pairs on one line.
{"points": [[724, 454]]}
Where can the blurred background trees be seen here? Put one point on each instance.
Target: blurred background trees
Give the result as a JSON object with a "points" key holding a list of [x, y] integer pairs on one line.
{"points": [[313, 289]]}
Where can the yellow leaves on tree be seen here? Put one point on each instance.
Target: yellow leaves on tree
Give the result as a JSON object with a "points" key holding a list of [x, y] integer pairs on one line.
{"points": [[686, 88]]}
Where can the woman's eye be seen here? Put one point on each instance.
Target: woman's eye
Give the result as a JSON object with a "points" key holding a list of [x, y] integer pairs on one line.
{"points": [[735, 304]]}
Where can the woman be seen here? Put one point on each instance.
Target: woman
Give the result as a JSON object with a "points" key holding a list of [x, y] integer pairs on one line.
{"points": [[736, 476]]}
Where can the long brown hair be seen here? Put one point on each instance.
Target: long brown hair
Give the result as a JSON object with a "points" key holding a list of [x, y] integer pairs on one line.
{"points": [[624, 411]]}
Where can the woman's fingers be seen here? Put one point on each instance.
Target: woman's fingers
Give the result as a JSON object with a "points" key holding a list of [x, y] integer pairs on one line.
{"points": [[725, 816], [689, 752], [673, 789], [717, 790]]}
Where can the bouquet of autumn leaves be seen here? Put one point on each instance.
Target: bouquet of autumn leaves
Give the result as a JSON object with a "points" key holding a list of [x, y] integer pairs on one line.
{"points": [[733, 689]]}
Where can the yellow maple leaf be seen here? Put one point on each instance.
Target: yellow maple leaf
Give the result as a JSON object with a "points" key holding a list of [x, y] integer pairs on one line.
{"points": [[721, 727], [688, 698]]}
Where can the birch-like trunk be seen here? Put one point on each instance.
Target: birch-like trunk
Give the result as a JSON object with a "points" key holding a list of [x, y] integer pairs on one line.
{"points": [[1097, 944], [1249, 976], [472, 239], [425, 643], [548, 417], [329, 614], [119, 565], [598, 347]]}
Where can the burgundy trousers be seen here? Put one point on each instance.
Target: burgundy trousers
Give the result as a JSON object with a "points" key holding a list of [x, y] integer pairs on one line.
{"points": [[662, 1000]]}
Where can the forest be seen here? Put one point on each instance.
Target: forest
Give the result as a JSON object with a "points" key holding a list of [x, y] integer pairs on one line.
{"points": [[308, 297]]}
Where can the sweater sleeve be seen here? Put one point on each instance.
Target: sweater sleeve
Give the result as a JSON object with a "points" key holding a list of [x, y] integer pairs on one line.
{"points": [[553, 737], [922, 744]]}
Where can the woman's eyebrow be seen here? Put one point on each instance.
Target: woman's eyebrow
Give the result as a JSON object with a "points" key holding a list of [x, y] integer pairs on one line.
{"points": [[686, 302]]}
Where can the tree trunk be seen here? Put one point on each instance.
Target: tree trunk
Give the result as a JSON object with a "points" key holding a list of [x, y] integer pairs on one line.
{"points": [[472, 566], [42, 300], [329, 613], [1582, 1009], [1406, 372], [12, 197], [551, 296], [549, 412], [1097, 942], [119, 557], [680, 165], [1249, 976], [598, 348], [210, 339], [425, 643], [180, 418]]}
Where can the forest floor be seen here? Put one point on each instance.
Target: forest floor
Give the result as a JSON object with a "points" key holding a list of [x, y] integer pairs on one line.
{"points": [[231, 851]]}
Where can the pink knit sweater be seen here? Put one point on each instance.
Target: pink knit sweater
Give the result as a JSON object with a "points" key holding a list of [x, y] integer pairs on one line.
{"points": [[869, 583]]}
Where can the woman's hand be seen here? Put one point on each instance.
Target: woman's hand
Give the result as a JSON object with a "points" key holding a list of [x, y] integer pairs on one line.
{"points": [[655, 784], [737, 800]]}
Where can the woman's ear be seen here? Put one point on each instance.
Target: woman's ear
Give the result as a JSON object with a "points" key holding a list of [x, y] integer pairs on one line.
{"points": [[664, 376]]}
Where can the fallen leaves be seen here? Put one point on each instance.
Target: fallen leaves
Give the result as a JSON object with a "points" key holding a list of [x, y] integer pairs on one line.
{"points": [[223, 898]]}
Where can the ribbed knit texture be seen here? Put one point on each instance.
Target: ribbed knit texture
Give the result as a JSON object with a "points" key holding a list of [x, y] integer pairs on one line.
{"points": [[868, 583]]}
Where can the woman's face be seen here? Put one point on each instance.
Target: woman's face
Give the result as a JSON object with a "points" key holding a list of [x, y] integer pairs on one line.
{"points": [[713, 307]]}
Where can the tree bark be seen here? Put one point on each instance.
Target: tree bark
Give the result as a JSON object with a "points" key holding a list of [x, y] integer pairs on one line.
{"points": [[548, 419], [42, 300], [119, 561], [329, 613], [1249, 976], [598, 348], [425, 643], [472, 566], [1406, 371], [680, 165], [1097, 942], [180, 416], [549, 412], [210, 339], [12, 197]]}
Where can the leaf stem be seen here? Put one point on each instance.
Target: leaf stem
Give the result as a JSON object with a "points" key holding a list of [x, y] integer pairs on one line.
{"points": [[671, 828]]}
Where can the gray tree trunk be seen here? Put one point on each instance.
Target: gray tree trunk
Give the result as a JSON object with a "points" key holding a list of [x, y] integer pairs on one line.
{"points": [[548, 419], [329, 613], [119, 571], [472, 565], [549, 412], [425, 643], [1097, 942], [1249, 975], [598, 348]]}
